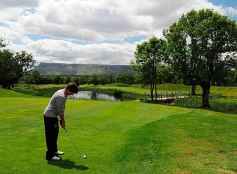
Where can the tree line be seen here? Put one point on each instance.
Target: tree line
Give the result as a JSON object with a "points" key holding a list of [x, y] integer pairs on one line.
{"points": [[34, 77], [165, 75]]}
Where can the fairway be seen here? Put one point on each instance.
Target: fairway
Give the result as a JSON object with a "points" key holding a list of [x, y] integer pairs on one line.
{"points": [[118, 137]]}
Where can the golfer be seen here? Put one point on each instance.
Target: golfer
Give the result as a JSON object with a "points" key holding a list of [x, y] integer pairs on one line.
{"points": [[53, 116]]}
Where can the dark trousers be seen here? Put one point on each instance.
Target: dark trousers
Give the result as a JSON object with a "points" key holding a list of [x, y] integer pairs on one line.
{"points": [[51, 135]]}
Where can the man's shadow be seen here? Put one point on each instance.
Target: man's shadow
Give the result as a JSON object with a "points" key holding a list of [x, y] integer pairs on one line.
{"points": [[67, 164]]}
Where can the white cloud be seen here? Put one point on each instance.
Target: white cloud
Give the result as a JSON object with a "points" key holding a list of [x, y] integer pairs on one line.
{"points": [[10, 14], [48, 50], [102, 20], [98, 28], [17, 3], [14, 36], [11, 9], [230, 11], [85, 20]]}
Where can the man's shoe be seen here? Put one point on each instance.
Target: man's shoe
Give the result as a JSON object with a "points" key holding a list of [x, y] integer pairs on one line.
{"points": [[55, 158], [59, 153]]}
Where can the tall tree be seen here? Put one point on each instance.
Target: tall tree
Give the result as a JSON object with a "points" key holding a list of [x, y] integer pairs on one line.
{"points": [[199, 43], [148, 56], [7, 75], [13, 66]]}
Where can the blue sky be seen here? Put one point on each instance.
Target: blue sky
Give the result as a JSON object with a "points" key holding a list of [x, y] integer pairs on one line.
{"points": [[36, 37], [226, 3]]}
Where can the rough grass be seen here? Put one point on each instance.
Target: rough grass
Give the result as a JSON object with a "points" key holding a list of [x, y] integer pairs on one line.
{"points": [[118, 137], [220, 104]]}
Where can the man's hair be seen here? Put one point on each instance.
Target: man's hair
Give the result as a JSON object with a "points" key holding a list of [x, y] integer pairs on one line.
{"points": [[72, 87]]}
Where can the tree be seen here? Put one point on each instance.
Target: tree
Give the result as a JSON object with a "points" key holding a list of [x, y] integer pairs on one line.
{"points": [[7, 66], [32, 77], [94, 79], [225, 74], [24, 60], [199, 43], [2, 43], [166, 74], [67, 79], [230, 78], [148, 56], [58, 79], [125, 78], [13, 66]]}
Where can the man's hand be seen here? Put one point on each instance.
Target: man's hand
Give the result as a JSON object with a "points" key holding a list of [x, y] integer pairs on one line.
{"points": [[62, 124]]}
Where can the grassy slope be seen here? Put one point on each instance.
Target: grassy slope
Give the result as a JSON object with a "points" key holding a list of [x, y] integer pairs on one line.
{"points": [[10, 93], [118, 137]]}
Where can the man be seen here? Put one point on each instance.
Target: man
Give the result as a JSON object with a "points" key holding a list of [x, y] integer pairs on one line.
{"points": [[53, 115]]}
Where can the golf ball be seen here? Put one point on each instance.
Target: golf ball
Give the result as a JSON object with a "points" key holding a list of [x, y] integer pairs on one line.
{"points": [[84, 156]]}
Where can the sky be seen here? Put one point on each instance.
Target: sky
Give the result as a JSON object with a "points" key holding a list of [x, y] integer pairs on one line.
{"points": [[89, 31]]}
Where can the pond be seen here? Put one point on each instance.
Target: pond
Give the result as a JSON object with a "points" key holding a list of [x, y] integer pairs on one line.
{"points": [[93, 95]]}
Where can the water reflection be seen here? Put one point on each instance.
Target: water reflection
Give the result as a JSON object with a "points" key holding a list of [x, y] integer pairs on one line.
{"points": [[93, 95]]}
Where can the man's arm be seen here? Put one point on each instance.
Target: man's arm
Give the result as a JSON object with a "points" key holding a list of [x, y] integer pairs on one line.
{"points": [[60, 105], [62, 121]]}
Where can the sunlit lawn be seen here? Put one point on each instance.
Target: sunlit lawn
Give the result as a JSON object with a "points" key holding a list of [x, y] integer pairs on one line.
{"points": [[118, 137]]}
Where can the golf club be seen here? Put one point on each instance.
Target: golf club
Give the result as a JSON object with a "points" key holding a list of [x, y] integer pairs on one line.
{"points": [[82, 155]]}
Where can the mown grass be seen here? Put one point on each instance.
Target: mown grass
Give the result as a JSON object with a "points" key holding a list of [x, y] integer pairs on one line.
{"points": [[118, 137], [193, 142]]}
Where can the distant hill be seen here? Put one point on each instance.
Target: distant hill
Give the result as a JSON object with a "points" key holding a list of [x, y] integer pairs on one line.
{"points": [[81, 69]]}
